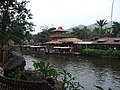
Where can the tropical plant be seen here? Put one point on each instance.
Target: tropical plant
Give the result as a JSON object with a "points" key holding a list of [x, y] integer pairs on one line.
{"points": [[84, 33], [100, 24], [14, 22], [68, 81], [100, 88], [28, 36], [16, 74], [45, 69], [88, 51], [116, 29], [14, 18], [44, 35]]}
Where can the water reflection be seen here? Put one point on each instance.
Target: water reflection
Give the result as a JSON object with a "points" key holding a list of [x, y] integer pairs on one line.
{"points": [[89, 71]]}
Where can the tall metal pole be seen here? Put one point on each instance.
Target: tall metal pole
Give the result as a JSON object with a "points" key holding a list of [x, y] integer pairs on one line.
{"points": [[112, 12]]}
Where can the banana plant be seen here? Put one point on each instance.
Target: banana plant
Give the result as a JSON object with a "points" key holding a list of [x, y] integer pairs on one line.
{"points": [[45, 69], [68, 81], [100, 88], [16, 74]]}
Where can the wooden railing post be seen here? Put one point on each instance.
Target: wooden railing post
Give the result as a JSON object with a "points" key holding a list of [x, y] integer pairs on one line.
{"points": [[4, 54]]}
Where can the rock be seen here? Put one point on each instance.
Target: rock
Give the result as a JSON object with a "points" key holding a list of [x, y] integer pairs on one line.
{"points": [[14, 54], [28, 75], [1, 71], [58, 85], [11, 43], [50, 80], [17, 61]]}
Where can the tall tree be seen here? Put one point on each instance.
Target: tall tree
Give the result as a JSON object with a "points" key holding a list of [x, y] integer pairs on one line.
{"points": [[101, 24], [116, 29], [28, 36], [14, 23], [96, 33], [84, 33], [44, 36], [14, 19]]}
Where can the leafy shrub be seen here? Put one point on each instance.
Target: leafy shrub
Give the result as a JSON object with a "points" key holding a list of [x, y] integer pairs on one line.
{"points": [[99, 52], [68, 81], [87, 51], [109, 52], [45, 69], [16, 74], [90, 52], [115, 53], [100, 88]]}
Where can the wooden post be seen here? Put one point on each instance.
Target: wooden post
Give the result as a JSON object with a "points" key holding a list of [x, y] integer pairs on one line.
{"points": [[5, 54], [0, 55]]}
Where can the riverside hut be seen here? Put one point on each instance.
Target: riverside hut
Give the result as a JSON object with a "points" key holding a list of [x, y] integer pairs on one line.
{"points": [[107, 43], [61, 42]]}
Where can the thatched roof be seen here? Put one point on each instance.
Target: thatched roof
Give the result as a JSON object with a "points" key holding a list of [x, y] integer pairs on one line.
{"points": [[58, 35], [71, 40], [107, 41], [60, 29]]}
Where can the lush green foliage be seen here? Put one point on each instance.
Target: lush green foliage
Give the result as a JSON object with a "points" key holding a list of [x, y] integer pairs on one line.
{"points": [[101, 23], [43, 36], [86, 33], [83, 33], [116, 29], [14, 22], [45, 69], [28, 36], [16, 74], [68, 81], [100, 88], [89, 51]]}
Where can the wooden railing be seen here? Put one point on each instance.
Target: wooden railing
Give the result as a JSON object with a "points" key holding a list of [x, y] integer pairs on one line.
{"points": [[12, 84]]}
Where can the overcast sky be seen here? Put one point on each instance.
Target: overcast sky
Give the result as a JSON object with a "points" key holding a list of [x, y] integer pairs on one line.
{"points": [[69, 13]]}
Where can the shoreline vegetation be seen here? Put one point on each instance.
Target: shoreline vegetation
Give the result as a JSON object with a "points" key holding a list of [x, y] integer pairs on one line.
{"points": [[101, 53]]}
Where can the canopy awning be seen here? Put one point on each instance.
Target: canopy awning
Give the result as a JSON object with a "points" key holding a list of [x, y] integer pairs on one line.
{"points": [[62, 47], [53, 42]]}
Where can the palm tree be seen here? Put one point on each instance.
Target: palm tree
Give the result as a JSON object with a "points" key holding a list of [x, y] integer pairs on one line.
{"points": [[101, 24]]}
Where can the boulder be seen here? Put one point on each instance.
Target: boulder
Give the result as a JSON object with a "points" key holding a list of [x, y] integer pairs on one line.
{"points": [[50, 80], [17, 61], [1, 71], [29, 75]]}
